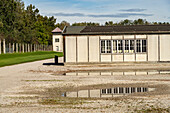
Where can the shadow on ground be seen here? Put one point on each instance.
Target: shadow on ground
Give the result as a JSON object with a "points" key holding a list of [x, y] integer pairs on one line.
{"points": [[56, 64]]}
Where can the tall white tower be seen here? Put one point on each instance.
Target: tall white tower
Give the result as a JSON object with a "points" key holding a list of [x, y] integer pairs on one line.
{"points": [[57, 40]]}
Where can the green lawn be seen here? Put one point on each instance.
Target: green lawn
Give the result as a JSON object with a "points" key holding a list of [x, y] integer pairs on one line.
{"points": [[18, 58]]}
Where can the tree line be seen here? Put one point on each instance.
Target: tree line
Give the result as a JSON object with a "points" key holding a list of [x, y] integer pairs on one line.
{"points": [[111, 23], [25, 24]]}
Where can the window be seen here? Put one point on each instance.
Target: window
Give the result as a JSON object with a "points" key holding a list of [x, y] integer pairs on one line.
{"points": [[117, 46], [145, 89], [106, 46], [141, 46], [115, 90], [57, 40], [103, 91], [103, 46], [126, 46], [127, 90], [109, 91], [121, 90], [120, 46], [132, 89], [138, 89], [129, 46], [114, 46]]}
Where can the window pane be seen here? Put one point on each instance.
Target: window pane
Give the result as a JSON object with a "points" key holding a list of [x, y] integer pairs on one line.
{"points": [[57, 40], [109, 91], [114, 46], [127, 90], [103, 91], [120, 46], [103, 46], [132, 44], [138, 46], [143, 45], [115, 90], [126, 46], [108, 46], [120, 90]]}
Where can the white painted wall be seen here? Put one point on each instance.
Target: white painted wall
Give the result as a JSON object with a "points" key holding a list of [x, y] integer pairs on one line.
{"points": [[129, 36], [59, 44], [94, 48], [105, 58], [70, 50], [82, 49], [140, 36], [117, 37], [152, 47], [105, 37], [141, 57], [164, 47], [129, 57], [117, 58]]}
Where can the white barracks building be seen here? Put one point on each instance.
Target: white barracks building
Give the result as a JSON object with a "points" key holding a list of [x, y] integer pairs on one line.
{"points": [[99, 44]]}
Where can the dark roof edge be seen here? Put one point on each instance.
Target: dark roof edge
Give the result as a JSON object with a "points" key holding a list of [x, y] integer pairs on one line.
{"points": [[119, 33]]}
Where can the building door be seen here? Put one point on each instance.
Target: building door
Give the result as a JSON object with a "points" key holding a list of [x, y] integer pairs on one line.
{"points": [[57, 48]]}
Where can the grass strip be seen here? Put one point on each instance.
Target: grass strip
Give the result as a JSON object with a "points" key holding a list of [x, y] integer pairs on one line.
{"points": [[18, 58]]}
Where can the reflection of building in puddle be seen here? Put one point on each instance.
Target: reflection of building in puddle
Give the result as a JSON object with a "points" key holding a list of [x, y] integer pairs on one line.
{"points": [[151, 72], [110, 92]]}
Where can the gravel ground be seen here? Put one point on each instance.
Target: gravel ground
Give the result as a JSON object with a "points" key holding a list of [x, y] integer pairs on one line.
{"points": [[28, 88]]}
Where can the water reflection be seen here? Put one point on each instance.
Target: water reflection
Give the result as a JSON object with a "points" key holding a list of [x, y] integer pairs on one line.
{"points": [[148, 72], [109, 92]]}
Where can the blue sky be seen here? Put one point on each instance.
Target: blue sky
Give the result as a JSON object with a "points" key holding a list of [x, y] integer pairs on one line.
{"points": [[103, 10]]}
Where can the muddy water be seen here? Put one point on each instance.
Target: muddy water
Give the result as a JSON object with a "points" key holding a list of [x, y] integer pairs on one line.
{"points": [[107, 92], [129, 72]]}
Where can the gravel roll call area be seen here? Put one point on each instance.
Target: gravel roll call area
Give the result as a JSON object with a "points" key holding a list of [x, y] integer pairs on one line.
{"points": [[37, 88]]}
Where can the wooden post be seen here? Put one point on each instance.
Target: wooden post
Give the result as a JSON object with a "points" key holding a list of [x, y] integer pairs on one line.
{"points": [[4, 47], [16, 46], [23, 48], [13, 45], [0, 46]]}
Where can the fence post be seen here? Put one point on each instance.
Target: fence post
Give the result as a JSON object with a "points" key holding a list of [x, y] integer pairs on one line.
{"points": [[23, 48], [16, 46], [13, 45], [0, 46]]}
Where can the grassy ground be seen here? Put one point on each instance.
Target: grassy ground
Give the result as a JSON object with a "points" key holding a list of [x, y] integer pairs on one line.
{"points": [[17, 58]]}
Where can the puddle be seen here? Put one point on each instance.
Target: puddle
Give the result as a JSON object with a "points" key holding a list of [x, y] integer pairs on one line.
{"points": [[109, 92], [148, 72]]}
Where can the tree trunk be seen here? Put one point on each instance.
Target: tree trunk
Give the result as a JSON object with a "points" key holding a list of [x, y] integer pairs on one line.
{"points": [[16, 46], [13, 47], [0, 46], [9, 47], [4, 47], [20, 47], [23, 48], [31, 48]]}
